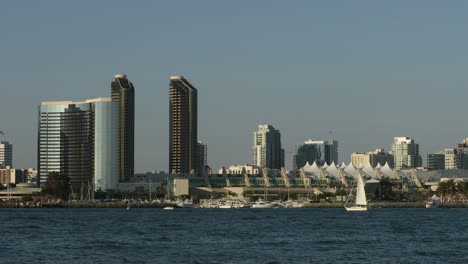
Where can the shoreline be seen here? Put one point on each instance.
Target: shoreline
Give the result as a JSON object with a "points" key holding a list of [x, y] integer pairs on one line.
{"points": [[161, 206]]}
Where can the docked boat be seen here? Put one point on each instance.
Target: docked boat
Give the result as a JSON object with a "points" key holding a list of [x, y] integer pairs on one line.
{"points": [[432, 202], [186, 203], [360, 203], [263, 204]]}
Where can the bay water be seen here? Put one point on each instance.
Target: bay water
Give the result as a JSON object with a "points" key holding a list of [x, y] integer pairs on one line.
{"points": [[233, 236]]}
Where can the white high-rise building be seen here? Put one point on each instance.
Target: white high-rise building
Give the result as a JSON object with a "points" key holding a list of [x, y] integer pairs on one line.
{"points": [[266, 149], [405, 153], [452, 159], [6, 154]]}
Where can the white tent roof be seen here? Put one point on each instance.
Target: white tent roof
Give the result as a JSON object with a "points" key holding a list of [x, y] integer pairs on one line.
{"points": [[306, 166], [368, 170], [343, 165], [312, 170], [350, 170], [378, 166], [325, 165], [332, 170], [386, 170]]}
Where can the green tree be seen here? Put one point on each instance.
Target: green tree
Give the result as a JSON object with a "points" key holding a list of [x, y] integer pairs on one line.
{"points": [[57, 185], [100, 194], [27, 198]]}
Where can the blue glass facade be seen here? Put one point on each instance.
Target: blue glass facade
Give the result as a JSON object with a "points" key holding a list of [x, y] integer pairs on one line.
{"points": [[79, 140], [106, 145]]}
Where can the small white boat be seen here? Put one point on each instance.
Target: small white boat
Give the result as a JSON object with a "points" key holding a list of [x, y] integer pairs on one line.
{"points": [[263, 204], [360, 205], [168, 208], [432, 202]]}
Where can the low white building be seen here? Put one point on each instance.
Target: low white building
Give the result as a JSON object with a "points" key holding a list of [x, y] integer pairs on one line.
{"points": [[237, 169]]}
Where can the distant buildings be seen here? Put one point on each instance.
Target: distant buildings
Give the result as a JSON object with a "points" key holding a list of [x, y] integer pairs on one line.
{"points": [[372, 158], [201, 157], [123, 92], [11, 175], [6, 154], [405, 153], [266, 148], [80, 140], [451, 158], [182, 126], [320, 151], [436, 161]]}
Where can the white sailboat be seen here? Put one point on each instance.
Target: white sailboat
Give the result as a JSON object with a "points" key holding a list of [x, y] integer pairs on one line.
{"points": [[360, 204]]}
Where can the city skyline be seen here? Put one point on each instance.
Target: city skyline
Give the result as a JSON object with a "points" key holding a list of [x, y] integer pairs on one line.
{"points": [[375, 71]]}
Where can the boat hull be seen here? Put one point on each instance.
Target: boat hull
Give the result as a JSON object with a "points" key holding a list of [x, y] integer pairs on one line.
{"points": [[262, 206], [356, 209]]}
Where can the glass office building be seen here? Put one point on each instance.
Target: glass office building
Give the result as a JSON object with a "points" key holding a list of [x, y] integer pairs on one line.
{"points": [[319, 151], [6, 154], [79, 140]]}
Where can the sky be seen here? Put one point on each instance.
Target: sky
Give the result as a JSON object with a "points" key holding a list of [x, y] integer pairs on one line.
{"points": [[369, 70]]}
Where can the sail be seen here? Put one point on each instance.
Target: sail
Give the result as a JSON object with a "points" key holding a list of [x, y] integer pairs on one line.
{"points": [[360, 192]]}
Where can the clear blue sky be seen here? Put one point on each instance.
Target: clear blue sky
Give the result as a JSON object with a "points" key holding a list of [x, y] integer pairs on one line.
{"points": [[371, 70]]}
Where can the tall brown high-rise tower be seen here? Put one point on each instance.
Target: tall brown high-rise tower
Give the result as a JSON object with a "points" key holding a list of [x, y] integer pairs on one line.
{"points": [[182, 125], [124, 93]]}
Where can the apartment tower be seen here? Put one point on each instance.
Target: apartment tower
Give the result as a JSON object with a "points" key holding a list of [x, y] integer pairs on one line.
{"points": [[266, 149], [182, 126], [6, 154], [405, 153], [122, 91]]}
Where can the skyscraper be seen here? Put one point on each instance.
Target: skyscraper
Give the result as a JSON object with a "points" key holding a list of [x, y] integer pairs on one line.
{"points": [[266, 148], [436, 161], [6, 154], [201, 156], [319, 151], [122, 91], [79, 140], [182, 126], [406, 153]]}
